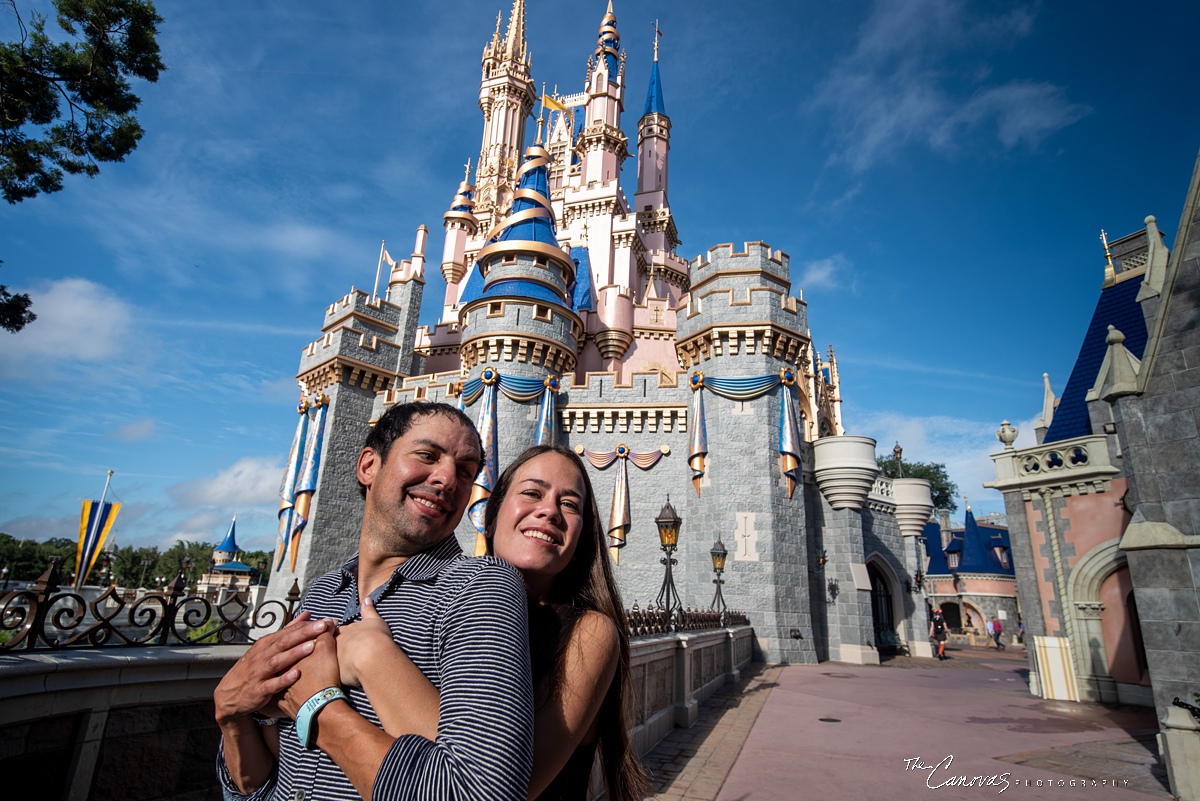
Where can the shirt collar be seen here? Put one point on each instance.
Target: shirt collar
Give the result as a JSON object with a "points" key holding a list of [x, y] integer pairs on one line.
{"points": [[418, 567]]}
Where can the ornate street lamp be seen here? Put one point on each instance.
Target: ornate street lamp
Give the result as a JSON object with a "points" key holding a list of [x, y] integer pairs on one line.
{"points": [[668, 522], [719, 554]]}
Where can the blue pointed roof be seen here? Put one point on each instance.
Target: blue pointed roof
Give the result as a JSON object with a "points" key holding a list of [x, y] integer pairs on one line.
{"points": [[229, 544], [582, 299], [978, 555], [1117, 307], [932, 535], [474, 288], [232, 567], [654, 98], [535, 229]]}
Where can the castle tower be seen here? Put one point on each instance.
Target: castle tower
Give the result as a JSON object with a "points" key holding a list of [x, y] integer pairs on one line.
{"points": [[366, 347], [516, 313], [461, 224], [654, 143], [602, 145], [506, 96], [741, 322]]}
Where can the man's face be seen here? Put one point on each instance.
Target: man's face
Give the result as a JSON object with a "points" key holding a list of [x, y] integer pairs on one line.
{"points": [[417, 496]]}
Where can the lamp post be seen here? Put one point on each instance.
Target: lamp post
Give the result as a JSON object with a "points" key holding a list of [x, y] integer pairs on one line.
{"points": [[719, 555], [262, 568], [668, 522]]}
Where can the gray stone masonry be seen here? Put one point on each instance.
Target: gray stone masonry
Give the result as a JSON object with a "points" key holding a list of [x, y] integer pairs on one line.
{"points": [[408, 297]]}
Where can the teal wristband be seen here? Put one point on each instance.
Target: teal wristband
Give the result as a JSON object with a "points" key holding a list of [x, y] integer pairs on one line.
{"points": [[308, 713]]}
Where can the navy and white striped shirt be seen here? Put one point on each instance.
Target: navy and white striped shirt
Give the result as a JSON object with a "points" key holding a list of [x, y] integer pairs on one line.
{"points": [[463, 623]]}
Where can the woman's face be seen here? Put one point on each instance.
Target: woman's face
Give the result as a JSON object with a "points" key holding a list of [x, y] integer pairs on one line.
{"points": [[540, 520]]}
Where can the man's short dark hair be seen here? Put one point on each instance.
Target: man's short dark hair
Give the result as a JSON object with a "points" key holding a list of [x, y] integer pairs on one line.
{"points": [[396, 421]]}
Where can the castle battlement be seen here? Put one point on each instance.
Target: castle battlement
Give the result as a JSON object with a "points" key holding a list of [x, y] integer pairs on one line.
{"points": [[358, 305]]}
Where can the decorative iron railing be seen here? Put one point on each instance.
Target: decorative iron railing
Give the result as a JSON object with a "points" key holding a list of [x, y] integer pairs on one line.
{"points": [[46, 617]]}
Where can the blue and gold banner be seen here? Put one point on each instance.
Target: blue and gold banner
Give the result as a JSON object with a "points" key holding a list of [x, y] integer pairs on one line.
{"points": [[306, 483], [486, 480], [287, 487], [95, 522]]}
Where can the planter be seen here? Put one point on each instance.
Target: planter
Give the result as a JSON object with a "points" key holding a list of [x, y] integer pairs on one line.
{"points": [[914, 504], [845, 469]]}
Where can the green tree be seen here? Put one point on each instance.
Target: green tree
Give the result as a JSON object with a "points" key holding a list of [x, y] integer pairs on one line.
{"points": [[198, 554], [67, 104], [944, 490], [14, 309]]}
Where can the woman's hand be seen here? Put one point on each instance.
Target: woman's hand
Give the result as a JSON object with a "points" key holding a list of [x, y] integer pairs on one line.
{"points": [[318, 671], [358, 641]]}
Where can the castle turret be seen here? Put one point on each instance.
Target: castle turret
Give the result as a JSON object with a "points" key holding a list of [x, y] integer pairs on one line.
{"points": [[602, 145], [654, 143], [460, 223], [506, 96], [516, 312]]}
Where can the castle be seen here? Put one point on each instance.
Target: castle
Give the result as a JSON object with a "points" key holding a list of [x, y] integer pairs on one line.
{"points": [[569, 315]]}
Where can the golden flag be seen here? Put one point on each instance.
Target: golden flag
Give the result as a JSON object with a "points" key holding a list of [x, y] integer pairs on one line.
{"points": [[555, 105]]}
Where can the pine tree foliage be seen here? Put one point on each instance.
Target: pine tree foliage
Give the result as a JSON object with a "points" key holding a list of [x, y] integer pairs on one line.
{"points": [[65, 99]]}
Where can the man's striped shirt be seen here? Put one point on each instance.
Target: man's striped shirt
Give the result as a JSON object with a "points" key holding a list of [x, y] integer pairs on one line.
{"points": [[463, 623]]}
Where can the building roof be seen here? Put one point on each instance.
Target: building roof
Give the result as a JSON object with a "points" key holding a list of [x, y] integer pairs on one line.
{"points": [[932, 535], [229, 544], [978, 555], [518, 288], [232, 567], [1117, 307], [654, 98], [974, 544]]}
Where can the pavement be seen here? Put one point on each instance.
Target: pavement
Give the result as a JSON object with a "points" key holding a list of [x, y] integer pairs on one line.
{"points": [[964, 728]]}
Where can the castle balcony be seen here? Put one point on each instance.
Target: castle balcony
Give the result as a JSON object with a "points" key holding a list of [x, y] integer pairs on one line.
{"points": [[760, 338], [349, 356], [1078, 466]]}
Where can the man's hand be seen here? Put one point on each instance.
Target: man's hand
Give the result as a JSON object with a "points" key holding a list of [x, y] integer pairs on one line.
{"points": [[358, 641], [268, 668]]}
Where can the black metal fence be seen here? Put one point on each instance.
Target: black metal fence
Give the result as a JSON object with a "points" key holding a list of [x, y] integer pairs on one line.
{"points": [[47, 617]]}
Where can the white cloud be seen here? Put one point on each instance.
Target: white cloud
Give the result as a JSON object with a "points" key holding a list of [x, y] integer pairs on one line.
{"points": [[963, 446], [907, 82], [827, 273], [132, 432], [77, 321], [250, 481]]}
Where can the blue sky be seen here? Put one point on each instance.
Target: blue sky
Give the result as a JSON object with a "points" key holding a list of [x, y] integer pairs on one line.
{"points": [[938, 171]]}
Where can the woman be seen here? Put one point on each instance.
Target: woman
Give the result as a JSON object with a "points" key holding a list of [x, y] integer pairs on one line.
{"points": [[541, 517]]}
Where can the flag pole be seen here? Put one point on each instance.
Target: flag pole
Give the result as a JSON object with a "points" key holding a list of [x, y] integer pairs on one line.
{"points": [[378, 269]]}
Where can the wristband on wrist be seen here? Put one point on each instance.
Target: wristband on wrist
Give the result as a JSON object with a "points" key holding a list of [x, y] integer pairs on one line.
{"points": [[308, 713]]}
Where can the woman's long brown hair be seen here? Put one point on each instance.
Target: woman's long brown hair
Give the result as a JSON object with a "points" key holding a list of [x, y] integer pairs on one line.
{"points": [[587, 583]]}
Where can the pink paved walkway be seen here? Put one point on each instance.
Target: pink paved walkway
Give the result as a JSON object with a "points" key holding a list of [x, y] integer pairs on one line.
{"points": [[836, 731]]}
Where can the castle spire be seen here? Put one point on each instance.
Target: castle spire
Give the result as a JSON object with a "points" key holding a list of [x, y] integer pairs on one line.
{"points": [[514, 41], [608, 44]]}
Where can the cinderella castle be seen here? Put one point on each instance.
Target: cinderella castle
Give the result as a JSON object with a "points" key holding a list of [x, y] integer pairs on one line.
{"points": [[687, 383]]}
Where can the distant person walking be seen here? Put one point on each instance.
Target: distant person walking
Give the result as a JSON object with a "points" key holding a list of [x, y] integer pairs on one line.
{"points": [[937, 632], [995, 629], [990, 630]]}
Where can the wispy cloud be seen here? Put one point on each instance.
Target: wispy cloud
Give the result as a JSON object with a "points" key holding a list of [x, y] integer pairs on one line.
{"points": [[135, 431], [963, 445], [250, 481], [832, 272], [906, 82], [77, 321]]}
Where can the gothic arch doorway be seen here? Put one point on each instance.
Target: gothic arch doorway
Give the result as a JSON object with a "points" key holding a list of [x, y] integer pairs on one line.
{"points": [[883, 611]]}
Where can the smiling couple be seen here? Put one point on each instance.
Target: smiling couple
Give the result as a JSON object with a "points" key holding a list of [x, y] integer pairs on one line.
{"points": [[415, 672]]}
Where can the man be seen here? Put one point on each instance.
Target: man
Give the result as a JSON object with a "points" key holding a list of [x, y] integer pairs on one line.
{"points": [[996, 630], [461, 621], [937, 632], [990, 630]]}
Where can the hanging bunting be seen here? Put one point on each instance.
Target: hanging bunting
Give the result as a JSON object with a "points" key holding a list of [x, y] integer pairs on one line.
{"points": [[306, 482], [547, 430], [744, 389], [95, 522], [287, 487], [486, 480], [789, 434], [619, 520], [698, 445]]}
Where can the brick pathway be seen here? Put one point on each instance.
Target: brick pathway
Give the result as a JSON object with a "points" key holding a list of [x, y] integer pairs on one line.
{"points": [[691, 764]]}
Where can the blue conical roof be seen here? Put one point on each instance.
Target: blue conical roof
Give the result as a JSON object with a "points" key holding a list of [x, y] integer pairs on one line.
{"points": [[582, 299], [932, 535], [654, 98], [978, 555], [229, 544], [535, 181]]}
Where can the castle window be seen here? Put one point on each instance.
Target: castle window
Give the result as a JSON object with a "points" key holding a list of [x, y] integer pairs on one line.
{"points": [[509, 258], [1003, 554], [541, 312], [540, 261], [952, 559], [421, 393], [495, 309]]}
